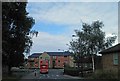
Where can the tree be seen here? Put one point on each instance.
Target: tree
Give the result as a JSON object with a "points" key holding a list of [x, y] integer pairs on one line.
{"points": [[16, 30], [91, 40]]}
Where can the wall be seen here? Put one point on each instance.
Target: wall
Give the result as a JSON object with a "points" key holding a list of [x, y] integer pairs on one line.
{"points": [[30, 63], [33, 63], [44, 56], [36, 62], [59, 61], [107, 61]]}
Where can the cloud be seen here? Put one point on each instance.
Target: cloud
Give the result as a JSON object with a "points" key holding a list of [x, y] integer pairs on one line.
{"points": [[111, 35], [70, 15], [47, 42], [73, 13], [73, 0]]}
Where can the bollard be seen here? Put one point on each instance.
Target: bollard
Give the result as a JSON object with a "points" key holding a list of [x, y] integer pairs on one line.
{"points": [[35, 73]]}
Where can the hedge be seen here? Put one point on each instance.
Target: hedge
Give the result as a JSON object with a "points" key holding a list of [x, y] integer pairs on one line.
{"points": [[71, 71]]}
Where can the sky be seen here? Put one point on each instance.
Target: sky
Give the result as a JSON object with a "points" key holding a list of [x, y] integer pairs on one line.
{"points": [[56, 21]]}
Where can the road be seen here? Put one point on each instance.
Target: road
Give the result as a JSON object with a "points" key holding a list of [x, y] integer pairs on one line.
{"points": [[52, 74]]}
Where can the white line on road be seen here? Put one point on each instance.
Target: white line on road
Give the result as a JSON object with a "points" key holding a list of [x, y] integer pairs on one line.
{"points": [[57, 75]]}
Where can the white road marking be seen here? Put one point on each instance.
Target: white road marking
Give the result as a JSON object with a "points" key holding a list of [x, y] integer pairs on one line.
{"points": [[57, 75], [47, 75]]}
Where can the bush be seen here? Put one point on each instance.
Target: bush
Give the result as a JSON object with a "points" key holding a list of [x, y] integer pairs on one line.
{"points": [[100, 74], [71, 71]]}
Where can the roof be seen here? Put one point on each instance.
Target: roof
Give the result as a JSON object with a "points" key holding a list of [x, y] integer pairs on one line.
{"points": [[58, 53], [112, 49], [34, 55]]}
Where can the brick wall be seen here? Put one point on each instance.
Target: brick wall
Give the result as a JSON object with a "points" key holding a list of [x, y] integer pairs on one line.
{"points": [[59, 61], [33, 63], [107, 61], [36, 62]]}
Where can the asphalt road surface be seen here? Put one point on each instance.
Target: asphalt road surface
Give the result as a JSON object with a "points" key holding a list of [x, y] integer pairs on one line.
{"points": [[52, 74]]}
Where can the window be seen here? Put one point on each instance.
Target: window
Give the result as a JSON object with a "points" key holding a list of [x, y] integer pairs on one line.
{"points": [[85, 64], [65, 61], [115, 59], [58, 60], [54, 57], [46, 58]]}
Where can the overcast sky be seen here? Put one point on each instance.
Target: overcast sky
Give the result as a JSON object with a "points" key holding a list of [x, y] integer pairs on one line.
{"points": [[56, 21]]}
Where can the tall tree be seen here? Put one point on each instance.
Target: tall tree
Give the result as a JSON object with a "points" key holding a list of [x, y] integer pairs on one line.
{"points": [[91, 40], [16, 29]]}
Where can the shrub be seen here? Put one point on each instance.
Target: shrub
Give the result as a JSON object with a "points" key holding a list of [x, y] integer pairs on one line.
{"points": [[100, 74], [71, 71]]}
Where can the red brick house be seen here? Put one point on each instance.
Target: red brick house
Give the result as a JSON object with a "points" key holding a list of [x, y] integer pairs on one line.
{"points": [[56, 59], [111, 58], [33, 60]]}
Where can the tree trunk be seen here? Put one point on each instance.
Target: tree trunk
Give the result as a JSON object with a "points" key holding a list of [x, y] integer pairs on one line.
{"points": [[9, 65], [82, 70], [78, 64], [9, 70], [93, 63]]}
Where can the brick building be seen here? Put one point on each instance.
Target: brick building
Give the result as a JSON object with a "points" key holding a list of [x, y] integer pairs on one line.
{"points": [[33, 60], [111, 58], [55, 59]]}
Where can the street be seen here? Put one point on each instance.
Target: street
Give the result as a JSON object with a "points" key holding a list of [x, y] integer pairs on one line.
{"points": [[52, 74]]}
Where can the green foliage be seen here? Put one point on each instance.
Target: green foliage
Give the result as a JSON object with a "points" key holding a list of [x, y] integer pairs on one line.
{"points": [[16, 30], [90, 40], [71, 71], [66, 65]]}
